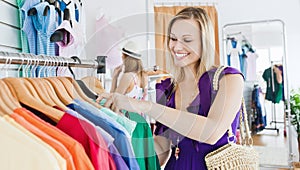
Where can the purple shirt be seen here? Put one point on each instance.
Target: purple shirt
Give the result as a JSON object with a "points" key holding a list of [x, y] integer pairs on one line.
{"points": [[192, 152]]}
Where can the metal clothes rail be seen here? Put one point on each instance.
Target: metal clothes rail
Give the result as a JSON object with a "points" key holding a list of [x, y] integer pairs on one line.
{"points": [[44, 60]]}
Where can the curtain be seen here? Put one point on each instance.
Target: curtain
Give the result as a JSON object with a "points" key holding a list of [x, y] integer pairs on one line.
{"points": [[162, 17]]}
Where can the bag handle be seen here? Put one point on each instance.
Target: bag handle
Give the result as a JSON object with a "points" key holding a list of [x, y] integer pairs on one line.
{"points": [[244, 127]]}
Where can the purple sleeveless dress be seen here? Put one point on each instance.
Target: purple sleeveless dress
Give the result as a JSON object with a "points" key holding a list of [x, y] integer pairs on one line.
{"points": [[192, 153]]}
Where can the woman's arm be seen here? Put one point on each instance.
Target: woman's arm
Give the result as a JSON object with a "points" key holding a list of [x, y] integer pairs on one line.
{"points": [[162, 148], [204, 129], [115, 76], [125, 83]]}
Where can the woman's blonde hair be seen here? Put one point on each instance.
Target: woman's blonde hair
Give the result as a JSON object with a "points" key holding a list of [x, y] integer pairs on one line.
{"points": [[136, 66], [207, 55]]}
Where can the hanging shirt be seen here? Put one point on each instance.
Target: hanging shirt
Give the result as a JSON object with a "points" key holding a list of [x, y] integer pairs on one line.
{"points": [[72, 44], [81, 160], [109, 125], [124, 121], [233, 52], [28, 34], [30, 154], [143, 143], [45, 26], [117, 159], [251, 66], [93, 143], [75, 43], [274, 95], [60, 148]]}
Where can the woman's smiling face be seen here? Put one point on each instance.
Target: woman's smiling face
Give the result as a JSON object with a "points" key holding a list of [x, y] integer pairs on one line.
{"points": [[185, 43]]}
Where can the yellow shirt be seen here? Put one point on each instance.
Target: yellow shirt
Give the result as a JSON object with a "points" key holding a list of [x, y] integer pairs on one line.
{"points": [[19, 150]]}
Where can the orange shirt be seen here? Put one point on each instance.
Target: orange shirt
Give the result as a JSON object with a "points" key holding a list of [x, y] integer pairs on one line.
{"points": [[60, 148], [81, 160]]}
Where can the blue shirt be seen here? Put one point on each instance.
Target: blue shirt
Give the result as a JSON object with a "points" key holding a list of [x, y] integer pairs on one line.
{"points": [[45, 27], [121, 141]]}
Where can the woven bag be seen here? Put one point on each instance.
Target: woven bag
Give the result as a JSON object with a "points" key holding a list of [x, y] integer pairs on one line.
{"points": [[234, 156]]}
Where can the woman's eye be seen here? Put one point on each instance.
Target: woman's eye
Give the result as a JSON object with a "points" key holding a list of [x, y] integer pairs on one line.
{"points": [[188, 40], [173, 39]]}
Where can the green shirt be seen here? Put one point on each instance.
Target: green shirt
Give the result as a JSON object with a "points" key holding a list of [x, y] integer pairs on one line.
{"points": [[276, 95], [143, 143]]}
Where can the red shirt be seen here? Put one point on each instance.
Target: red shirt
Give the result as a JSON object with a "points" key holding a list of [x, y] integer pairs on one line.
{"points": [[93, 143]]}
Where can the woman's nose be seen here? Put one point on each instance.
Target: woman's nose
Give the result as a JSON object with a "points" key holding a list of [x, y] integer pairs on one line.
{"points": [[178, 46]]}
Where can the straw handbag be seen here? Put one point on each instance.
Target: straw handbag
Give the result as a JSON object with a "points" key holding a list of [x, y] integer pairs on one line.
{"points": [[234, 156]]}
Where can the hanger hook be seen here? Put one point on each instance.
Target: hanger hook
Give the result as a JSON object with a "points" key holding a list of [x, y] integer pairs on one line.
{"points": [[36, 65], [29, 62], [9, 64], [61, 66], [56, 66], [7, 58], [39, 70], [49, 65], [33, 63], [7, 61], [67, 66], [22, 58], [59, 63]]}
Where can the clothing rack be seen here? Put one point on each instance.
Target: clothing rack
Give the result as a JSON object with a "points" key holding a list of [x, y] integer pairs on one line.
{"points": [[45, 60], [244, 38], [274, 120]]}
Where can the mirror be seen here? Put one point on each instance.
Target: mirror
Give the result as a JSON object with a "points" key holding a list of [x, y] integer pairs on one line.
{"points": [[258, 50]]}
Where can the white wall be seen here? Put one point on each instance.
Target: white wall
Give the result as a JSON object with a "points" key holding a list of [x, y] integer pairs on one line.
{"points": [[130, 15]]}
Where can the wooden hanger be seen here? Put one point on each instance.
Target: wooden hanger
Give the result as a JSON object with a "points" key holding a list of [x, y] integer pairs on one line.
{"points": [[8, 98], [94, 84], [60, 90], [70, 83], [46, 92], [53, 94], [40, 90], [25, 96], [6, 107]]}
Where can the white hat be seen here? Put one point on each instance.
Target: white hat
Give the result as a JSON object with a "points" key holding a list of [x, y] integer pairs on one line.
{"points": [[130, 48]]}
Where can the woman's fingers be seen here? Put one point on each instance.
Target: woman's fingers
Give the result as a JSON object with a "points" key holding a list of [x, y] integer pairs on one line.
{"points": [[103, 96]]}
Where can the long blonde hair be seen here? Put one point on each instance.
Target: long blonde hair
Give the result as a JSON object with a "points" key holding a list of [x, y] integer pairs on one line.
{"points": [[136, 66], [207, 55]]}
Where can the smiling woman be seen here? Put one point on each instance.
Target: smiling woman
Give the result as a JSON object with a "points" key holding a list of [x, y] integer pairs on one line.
{"points": [[189, 127]]}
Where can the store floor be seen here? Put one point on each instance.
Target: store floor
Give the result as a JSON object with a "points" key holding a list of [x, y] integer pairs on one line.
{"points": [[273, 148]]}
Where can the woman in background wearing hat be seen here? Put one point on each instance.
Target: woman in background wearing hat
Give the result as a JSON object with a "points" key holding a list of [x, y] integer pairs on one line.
{"points": [[133, 82]]}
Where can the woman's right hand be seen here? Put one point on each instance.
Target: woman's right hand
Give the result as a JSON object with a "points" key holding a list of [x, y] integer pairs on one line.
{"points": [[117, 102]]}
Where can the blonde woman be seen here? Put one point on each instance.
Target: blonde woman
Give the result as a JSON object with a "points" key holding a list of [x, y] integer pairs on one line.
{"points": [[133, 82], [192, 119]]}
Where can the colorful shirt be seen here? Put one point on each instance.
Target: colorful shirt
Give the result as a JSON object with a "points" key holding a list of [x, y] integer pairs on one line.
{"points": [[121, 141], [86, 134], [81, 160], [118, 160]]}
